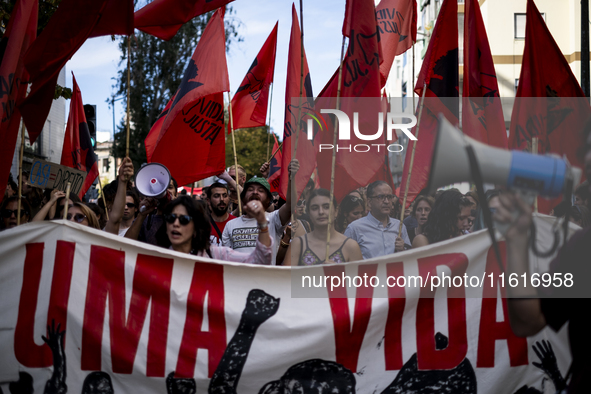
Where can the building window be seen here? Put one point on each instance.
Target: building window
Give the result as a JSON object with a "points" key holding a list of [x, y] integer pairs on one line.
{"points": [[519, 24]]}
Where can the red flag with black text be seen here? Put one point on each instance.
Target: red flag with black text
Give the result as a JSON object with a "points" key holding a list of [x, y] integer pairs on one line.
{"points": [[275, 167], [249, 104], [297, 103], [360, 94], [440, 76], [69, 27], [482, 113], [20, 33], [549, 104], [77, 151], [191, 139], [164, 18], [397, 22]]}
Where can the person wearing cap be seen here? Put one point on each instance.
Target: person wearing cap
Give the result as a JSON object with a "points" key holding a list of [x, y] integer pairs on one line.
{"points": [[241, 233]]}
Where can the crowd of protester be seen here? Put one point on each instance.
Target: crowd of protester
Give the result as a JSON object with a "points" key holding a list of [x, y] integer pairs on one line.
{"points": [[267, 229]]}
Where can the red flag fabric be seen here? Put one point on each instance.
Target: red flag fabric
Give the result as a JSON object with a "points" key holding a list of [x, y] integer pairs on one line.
{"points": [[152, 139], [549, 104], [306, 153], [77, 151], [439, 73], [190, 142], [164, 18], [275, 168], [397, 22], [116, 18], [360, 79], [482, 115], [67, 30], [249, 104], [20, 33]]}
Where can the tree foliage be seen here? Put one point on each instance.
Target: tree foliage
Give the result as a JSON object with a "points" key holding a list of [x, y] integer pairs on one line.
{"points": [[157, 68], [251, 149]]}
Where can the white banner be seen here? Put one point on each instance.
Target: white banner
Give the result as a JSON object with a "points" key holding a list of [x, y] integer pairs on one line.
{"points": [[83, 311]]}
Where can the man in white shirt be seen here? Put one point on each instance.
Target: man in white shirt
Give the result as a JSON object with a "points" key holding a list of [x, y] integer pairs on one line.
{"points": [[241, 233]]}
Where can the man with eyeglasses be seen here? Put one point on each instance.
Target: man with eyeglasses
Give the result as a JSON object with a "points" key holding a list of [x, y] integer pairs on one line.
{"points": [[377, 233], [132, 201]]}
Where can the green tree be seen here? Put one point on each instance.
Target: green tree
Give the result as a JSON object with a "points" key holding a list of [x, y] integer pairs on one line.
{"points": [[251, 149], [157, 68]]}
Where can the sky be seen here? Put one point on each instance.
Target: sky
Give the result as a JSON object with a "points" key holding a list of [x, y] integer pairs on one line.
{"points": [[96, 63]]}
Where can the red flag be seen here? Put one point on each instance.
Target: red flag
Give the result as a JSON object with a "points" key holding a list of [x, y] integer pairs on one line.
{"points": [[164, 18], [360, 78], [306, 153], [397, 21], [275, 167], [191, 141], [67, 30], [482, 115], [20, 33], [77, 151], [152, 139], [116, 18], [249, 104], [439, 73], [549, 104]]}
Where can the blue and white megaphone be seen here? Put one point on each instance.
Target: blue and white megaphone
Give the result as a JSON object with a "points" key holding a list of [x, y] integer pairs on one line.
{"points": [[530, 174]]}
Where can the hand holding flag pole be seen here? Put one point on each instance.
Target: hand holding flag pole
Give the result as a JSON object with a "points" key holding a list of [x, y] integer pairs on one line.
{"points": [[235, 157], [412, 158]]}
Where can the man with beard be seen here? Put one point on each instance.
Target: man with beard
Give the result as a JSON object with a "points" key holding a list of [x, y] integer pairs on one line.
{"points": [[218, 199], [241, 234]]}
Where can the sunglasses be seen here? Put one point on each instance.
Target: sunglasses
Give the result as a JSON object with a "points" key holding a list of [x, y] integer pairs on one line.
{"points": [[78, 218], [183, 219], [130, 205], [301, 203], [7, 213]]}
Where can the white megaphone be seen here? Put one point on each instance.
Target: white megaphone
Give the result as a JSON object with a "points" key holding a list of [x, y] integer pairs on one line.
{"points": [[152, 180], [533, 175]]}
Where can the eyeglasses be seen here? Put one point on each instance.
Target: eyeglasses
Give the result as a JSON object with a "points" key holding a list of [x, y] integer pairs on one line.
{"points": [[183, 219], [301, 203], [384, 197], [130, 205], [7, 213], [78, 218]]}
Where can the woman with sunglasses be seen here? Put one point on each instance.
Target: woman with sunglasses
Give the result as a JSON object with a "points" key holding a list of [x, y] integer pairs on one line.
{"points": [[311, 248], [81, 214], [9, 210], [188, 230], [351, 209]]}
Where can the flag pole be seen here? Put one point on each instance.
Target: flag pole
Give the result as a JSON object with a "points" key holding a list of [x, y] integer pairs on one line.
{"points": [[128, 93], [534, 150], [20, 175], [274, 153], [334, 157], [297, 128], [412, 159], [269, 125], [67, 200], [103, 197], [235, 156], [192, 188]]}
